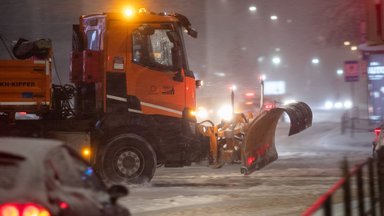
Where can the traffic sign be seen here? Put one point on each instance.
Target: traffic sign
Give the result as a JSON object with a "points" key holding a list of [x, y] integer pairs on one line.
{"points": [[351, 71]]}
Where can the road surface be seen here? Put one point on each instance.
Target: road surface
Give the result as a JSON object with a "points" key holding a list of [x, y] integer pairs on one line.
{"points": [[308, 164]]}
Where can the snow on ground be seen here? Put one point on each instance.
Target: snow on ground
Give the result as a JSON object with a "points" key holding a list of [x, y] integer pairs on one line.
{"points": [[308, 164]]}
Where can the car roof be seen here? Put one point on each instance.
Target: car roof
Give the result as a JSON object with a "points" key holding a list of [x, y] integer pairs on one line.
{"points": [[28, 148], [29, 177]]}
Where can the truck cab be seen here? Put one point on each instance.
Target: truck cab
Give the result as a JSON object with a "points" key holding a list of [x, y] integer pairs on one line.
{"points": [[131, 75], [133, 63]]}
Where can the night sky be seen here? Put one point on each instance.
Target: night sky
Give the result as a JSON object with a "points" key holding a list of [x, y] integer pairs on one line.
{"points": [[235, 45]]}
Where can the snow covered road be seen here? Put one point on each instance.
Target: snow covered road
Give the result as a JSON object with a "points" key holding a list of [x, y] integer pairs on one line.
{"points": [[308, 165]]}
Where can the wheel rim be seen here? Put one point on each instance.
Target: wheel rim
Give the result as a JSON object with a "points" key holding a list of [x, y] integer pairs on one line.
{"points": [[128, 163]]}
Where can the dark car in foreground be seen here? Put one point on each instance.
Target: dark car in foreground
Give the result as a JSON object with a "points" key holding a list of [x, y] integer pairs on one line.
{"points": [[47, 178]]}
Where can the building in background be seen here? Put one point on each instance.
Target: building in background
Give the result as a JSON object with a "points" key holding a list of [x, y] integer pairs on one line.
{"points": [[372, 62]]}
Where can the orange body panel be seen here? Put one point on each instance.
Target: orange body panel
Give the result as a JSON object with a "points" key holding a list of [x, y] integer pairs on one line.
{"points": [[117, 42], [190, 92], [156, 90], [25, 85]]}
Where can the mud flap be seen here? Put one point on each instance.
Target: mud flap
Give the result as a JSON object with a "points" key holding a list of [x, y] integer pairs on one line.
{"points": [[258, 148]]}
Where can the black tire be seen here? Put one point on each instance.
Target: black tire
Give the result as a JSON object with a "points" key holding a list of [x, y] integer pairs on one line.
{"points": [[128, 158]]}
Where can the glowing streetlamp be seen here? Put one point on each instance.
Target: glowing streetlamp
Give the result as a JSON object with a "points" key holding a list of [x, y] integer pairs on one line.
{"points": [[273, 17], [276, 60], [315, 61], [263, 77], [339, 72], [252, 8]]}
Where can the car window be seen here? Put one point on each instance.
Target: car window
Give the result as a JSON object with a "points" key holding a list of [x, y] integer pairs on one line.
{"points": [[60, 168], [85, 173], [9, 170]]}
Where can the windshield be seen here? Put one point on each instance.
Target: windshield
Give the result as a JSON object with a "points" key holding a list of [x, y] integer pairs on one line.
{"points": [[159, 48]]}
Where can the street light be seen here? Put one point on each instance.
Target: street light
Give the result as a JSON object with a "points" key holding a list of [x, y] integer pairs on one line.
{"points": [[276, 60], [263, 77], [273, 17], [315, 61], [252, 8], [339, 72], [347, 43]]}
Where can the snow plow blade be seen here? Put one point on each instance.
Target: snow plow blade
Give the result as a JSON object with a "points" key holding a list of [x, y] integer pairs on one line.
{"points": [[259, 143]]}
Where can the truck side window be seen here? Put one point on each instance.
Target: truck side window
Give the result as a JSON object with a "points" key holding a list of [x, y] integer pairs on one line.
{"points": [[155, 50], [92, 40], [137, 47]]}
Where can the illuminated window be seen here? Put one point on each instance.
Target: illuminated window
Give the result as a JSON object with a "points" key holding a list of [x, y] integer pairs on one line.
{"points": [[157, 47]]}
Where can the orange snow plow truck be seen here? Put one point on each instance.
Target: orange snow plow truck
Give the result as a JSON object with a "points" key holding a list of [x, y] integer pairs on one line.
{"points": [[131, 100]]}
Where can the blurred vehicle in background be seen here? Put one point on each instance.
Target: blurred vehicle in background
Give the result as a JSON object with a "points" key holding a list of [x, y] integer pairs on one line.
{"points": [[338, 104], [46, 178]]}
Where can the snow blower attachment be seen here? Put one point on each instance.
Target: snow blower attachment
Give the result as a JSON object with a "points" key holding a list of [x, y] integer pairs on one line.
{"points": [[251, 141]]}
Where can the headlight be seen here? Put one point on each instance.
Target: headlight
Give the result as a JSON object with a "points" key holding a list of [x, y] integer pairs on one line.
{"points": [[201, 113], [338, 105], [348, 104], [225, 113], [328, 105]]}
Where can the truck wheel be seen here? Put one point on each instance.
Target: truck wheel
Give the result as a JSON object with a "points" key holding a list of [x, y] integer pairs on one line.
{"points": [[128, 158]]}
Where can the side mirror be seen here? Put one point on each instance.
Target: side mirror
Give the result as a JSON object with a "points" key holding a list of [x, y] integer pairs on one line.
{"points": [[117, 191], [199, 83], [186, 24], [192, 32]]}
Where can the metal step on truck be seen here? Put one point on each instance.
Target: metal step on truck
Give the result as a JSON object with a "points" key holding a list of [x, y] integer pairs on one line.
{"points": [[130, 106]]}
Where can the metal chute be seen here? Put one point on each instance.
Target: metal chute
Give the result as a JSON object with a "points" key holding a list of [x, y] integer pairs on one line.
{"points": [[258, 148]]}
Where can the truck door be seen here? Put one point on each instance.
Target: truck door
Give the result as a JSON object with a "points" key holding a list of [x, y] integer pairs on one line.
{"points": [[156, 74]]}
